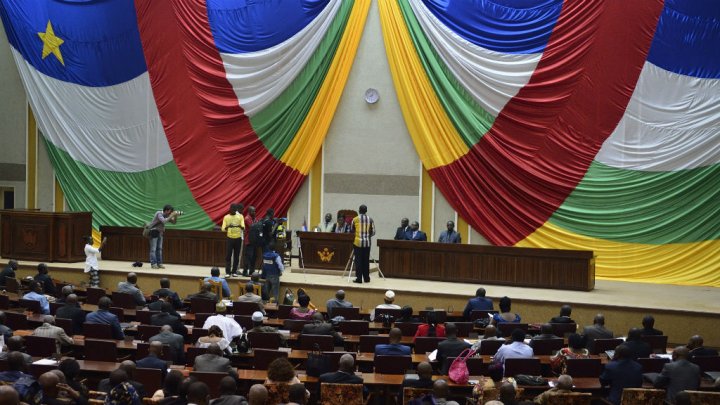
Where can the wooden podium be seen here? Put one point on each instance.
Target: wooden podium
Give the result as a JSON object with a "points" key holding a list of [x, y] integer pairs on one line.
{"points": [[44, 236], [326, 250]]}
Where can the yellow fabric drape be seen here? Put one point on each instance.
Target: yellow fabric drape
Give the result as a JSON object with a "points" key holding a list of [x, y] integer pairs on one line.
{"points": [[312, 132], [619, 261], [434, 135]]}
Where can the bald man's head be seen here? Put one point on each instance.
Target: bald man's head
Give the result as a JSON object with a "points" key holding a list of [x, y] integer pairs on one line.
{"points": [[395, 335], [166, 328], [8, 395], [49, 381], [156, 348], [695, 341], [347, 363], [440, 388], [565, 382], [490, 331], [507, 393], [680, 352], [214, 348], [257, 395], [128, 366], [424, 370], [71, 299]]}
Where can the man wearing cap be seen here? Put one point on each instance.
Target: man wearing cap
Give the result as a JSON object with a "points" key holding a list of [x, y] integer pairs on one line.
{"points": [[389, 299], [250, 296], [230, 328], [337, 302], [258, 327]]}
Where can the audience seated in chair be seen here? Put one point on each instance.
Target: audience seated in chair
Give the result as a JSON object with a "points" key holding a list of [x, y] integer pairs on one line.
{"points": [[648, 323], [214, 361], [432, 328], [4, 329], [154, 358], [564, 317], [337, 302], [320, 327], [71, 310], [257, 395], [345, 373], [575, 350], [424, 377], [637, 347], [479, 302], [15, 344], [36, 294], [228, 388], [231, 329], [48, 329], [8, 271], [516, 350], [16, 369], [45, 280], [104, 316], [452, 346], [250, 296], [620, 373], [166, 317], [204, 293], [215, 277], [215, 336], [130, 287], [695, 345], [564, 385], [596, 331], [394, 347], [505, 314], [171, 386], [678, 375], [173, 340], [165, 287], [303, 311], [127, 368]]}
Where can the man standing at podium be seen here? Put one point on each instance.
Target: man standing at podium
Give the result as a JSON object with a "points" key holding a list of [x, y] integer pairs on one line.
{"points": [[157, 229], [364, 231], [449, 236]]}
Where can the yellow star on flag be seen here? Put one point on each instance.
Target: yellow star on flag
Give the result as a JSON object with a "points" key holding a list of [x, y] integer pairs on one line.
{"points": [[51, 43]]}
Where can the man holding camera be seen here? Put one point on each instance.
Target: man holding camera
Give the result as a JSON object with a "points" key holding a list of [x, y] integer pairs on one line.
{"points": [[157, 229]]}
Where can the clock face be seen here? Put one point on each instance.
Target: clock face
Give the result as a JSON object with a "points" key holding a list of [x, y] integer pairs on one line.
{"points": [[372, 96]]}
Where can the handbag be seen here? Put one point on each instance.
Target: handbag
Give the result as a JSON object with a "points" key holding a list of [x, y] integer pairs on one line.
{"points": [[289, 297], [243, 345], [533, 380], [458, 371], [317, 362]]}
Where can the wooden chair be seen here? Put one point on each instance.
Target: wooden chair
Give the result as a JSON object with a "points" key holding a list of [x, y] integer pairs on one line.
{"points": [[707, 363], [66, 325], [394, 313], [193, 352], [119, 312], [481, 314], [584, 368], [547, 346], [506, 328], [197, 333], [350, 314], [16, 321], [475, 365], [200, 318], [244, 308], [490, 347], [145, 332], [426, 344], [410, 393], [244, 320], [529, 366], [36, 370], [145, 316], [142, 351], [295, 325], [407, 328], [464, 329], [704, 397], [39, 346], [283, 311], [96, 397], [563, 329], [30, 305], [123, 300], [211, 379], [13, 285], [263, 357], [201, 305], [260, 340], [335, 358], [4, 301], [354, 327], [278, 393], [368, 342], [634, 396], [652, 364], [101, 350], [215, 287], [97, 331], [325, 342], [257, 288], [393, 364], [94, 294], [150, 378], [602, 345], [573, 398], [440, 315], [658, 343], [347, 394]]}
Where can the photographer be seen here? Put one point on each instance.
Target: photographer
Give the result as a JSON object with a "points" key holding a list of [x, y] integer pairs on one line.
{"points": [[157, 229]]}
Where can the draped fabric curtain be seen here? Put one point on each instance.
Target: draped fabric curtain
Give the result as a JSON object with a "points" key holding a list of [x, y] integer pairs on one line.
{"points": [[580, 125], [198, 104]]}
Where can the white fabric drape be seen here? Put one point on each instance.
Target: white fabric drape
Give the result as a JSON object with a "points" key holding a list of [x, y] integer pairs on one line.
{"points": [[491, 78], [671, 123], [260, 77], [114, 128]]}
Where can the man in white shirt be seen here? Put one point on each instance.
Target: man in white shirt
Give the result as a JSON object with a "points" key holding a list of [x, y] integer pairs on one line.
{"points": [[389, 299], [327, 225], [230, 328], [517, 349]]}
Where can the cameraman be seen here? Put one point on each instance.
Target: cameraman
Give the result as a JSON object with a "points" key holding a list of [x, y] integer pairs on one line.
{"points": [[157, 229]]}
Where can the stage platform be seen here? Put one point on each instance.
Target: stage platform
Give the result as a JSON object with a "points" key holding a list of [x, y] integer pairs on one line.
{"points": [[680, 311]]}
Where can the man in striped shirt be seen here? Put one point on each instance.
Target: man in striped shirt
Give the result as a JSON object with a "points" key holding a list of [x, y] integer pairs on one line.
{"points": [[364, 228]]}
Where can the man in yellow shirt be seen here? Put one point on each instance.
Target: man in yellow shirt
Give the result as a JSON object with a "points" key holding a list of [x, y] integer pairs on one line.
{"points": [[234, 224], [364, 228]]}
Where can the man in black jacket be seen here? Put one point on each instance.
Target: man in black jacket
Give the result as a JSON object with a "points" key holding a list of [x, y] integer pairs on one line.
{"points": [[174, 298], [320, 327], [165, 318], [71, 310], [345, 373], [450, 347], [402, 229], [44, 278], [8, 271]]}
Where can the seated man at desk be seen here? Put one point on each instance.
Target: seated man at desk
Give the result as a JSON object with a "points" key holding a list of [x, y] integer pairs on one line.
{"points": [[36, 294], [165, 286], [394, 348], [204, 293], [130, 287], [414, 233], [8, 271], [327, 224], [250, 296], [44, 278], [104, 316], [48, 329], [215, 277]]}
